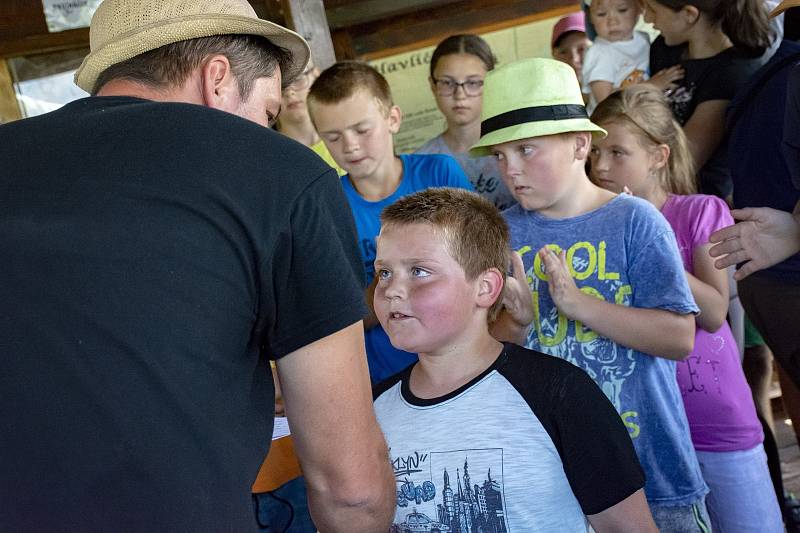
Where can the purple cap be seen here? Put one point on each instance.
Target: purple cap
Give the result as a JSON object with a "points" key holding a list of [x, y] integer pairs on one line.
{"points": [[574, 22]]}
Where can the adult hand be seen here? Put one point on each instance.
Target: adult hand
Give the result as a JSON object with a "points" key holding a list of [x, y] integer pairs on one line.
{"points": [[565, 294], [763, 238], [517, 299]]}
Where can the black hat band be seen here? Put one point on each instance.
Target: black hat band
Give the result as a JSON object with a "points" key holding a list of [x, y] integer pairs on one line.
{"points": [[532, 114]]}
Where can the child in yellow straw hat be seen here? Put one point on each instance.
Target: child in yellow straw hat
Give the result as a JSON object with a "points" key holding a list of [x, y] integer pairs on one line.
{"points": [[606, 286]]}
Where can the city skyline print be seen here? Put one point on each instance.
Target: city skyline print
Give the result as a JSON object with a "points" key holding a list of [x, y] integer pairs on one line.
{"points": [[458, 491]]}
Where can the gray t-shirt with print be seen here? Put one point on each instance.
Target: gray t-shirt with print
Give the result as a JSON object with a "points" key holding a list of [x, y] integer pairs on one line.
{"points": [[483, 172]]}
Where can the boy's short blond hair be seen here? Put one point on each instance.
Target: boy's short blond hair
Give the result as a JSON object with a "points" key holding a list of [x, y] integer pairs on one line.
{"points": [[475, 233], [341, 80]]}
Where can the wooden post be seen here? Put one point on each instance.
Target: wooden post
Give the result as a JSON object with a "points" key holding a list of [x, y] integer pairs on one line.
{"points": [[9, 107], [307, 17]]}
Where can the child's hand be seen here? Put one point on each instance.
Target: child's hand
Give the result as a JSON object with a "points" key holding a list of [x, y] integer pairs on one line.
{"points": [[563, 291], [517, 298], [665, 79]]}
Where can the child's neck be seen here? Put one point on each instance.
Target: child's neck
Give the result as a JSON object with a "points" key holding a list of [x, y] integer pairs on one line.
{"points": [[584, 197], [657, 196], [706, 41], [382, 183], [301, 131], [460, 138], [441, 373]]}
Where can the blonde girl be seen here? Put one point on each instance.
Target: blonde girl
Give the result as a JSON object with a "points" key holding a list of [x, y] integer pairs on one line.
{"points": [[646, 153]]}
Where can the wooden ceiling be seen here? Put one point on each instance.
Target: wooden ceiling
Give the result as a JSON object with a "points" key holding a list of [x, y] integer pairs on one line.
{"points": [[359, 28]]}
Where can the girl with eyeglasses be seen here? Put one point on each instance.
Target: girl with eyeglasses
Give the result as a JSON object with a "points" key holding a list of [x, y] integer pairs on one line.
{"points": [[458, 66]]}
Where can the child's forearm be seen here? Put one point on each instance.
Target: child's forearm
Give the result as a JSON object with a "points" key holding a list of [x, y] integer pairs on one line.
{"points": [[652, 331], [713, 305]]}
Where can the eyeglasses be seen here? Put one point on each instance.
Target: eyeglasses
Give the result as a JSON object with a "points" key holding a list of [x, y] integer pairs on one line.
{"points": [[448, 86], [302, 81]]}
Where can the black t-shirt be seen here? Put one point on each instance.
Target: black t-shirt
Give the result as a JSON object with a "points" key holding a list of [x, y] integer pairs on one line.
{"points": [[764, 142], [715, 78], [151, 253]]}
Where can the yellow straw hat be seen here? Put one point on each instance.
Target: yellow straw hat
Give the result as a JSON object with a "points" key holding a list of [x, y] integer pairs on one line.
{"points": [[783, 6], [531, 98], [122, 29]]}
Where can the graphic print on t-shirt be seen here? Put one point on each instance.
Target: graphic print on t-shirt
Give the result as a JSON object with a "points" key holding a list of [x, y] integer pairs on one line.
{"points": [[606, 362], [458, 491]]}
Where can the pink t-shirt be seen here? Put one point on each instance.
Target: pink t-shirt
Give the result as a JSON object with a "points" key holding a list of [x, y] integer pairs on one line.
{"points": [[718, 401]]}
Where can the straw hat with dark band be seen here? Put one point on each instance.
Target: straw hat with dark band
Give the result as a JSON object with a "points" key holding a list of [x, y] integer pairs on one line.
{"points": [[122, 29], [783, 6], [531, 98]]}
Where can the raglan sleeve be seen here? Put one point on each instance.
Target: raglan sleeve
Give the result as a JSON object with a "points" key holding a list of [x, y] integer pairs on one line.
{"points": [[598, 455], [315, 271]]}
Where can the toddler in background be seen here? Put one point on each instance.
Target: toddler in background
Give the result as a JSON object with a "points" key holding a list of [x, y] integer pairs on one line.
{"points": [[620, 55]]}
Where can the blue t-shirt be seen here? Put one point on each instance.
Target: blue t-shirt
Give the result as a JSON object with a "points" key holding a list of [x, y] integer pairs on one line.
{"points": [[419, 173], [623, 252]]}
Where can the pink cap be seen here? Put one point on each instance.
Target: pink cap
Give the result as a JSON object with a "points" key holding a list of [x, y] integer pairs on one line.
{"points": [[574, 22]]}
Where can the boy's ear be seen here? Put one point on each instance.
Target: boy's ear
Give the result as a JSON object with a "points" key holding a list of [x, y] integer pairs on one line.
{"points": [[395, 118], [490, 287], [583, 145]]}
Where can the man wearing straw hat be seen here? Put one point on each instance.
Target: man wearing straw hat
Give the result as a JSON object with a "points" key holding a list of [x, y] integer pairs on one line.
{"points": [[155, 246]]}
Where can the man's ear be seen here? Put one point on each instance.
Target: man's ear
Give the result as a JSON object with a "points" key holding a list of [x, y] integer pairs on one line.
{"points": [[395, 118], [582, 142], [219, 87], [490, 287]]}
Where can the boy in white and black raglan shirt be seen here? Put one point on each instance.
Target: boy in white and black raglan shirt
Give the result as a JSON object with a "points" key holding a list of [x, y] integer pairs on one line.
{"points": [[486, 436]]}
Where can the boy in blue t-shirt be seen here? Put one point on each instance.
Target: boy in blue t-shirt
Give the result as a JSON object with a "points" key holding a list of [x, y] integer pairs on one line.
{"points": [[606, 288], [351, 107]]}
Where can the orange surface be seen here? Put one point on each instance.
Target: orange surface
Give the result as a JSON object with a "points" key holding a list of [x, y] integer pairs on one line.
{"points": [[279, 467]]}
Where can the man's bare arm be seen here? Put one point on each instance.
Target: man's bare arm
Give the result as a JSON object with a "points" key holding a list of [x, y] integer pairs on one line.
{"points": [[342, 452]]}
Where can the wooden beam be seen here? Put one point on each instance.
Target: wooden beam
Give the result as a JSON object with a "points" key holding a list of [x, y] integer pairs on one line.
{"points": [[342, 14], [415, 30], [307, 17], [9, 107]]}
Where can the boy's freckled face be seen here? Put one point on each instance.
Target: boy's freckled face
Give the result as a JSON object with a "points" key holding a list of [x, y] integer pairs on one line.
{"points": [[358, 132], [614, 20], [423, 299], [537, 171]]}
